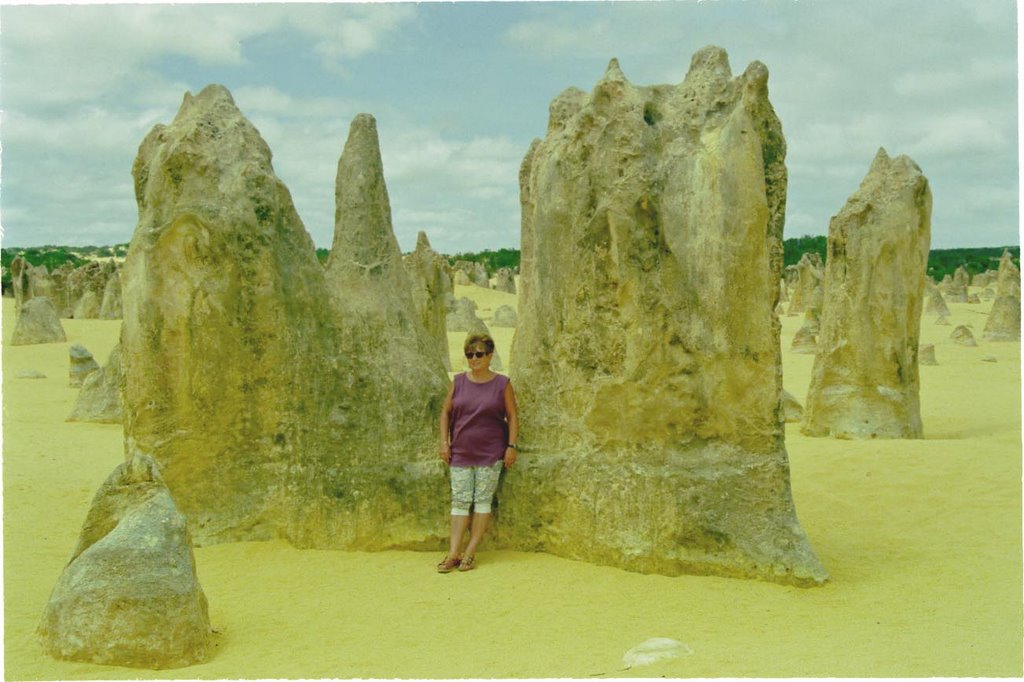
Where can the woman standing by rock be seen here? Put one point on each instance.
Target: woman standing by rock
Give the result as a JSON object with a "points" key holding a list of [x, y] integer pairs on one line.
{"points": [[479, 428]]}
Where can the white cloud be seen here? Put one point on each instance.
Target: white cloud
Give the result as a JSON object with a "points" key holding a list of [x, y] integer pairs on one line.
{"points": [[74, 53]]}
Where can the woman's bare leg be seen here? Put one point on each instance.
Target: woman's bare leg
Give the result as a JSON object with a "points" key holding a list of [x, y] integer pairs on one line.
{"points": [[476, 533], [459, 525]]}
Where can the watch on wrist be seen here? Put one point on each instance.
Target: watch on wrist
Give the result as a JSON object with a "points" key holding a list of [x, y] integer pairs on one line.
{"points": [[512, 445]]}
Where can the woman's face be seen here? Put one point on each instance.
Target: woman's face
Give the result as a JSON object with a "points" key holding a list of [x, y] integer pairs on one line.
{"points": [[478, 364]]}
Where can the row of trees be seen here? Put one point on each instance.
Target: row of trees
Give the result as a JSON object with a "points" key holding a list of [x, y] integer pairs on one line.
{"points": [[941, 262]]}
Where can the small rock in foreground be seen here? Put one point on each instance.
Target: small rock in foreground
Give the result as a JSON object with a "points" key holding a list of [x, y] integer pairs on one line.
{"points": [[654, 650]]}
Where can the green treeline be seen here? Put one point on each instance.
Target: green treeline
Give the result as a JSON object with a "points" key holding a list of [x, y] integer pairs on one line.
{"points": [[941, 262], [492, 260]]}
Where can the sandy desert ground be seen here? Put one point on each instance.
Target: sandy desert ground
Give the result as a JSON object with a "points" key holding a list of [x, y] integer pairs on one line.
{"points": [[922, 540]]}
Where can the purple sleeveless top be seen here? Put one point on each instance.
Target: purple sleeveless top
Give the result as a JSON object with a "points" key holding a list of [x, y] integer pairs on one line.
{"points": [[479, 432]]}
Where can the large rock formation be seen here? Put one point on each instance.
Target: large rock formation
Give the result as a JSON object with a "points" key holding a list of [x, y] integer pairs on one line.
{"points": [[1003, 322], [955, 290], [84, 288], [227, 337], [87, 307], [431, 287], [378, 482], [37, 323], [811, 272], [504, 316], [129, 595], [926, 354], [804, 341], [504, 280], [962, 336], [865, 378], [791, 408], [652, 421], [936, 304], [476, 273], [110, 307], [281, 398], [80, 365], [463, 318], [985, 279], [20, 281], [99, 400]]}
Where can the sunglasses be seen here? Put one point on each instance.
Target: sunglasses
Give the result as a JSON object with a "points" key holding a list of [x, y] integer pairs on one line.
{"points": [[477, 354]]}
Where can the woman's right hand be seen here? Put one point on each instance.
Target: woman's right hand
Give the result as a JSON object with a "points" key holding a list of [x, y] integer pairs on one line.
{"points": [[446, 453]]}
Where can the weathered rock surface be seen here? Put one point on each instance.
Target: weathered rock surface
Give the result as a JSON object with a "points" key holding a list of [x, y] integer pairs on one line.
{"points": [[129, 595], [37, 323], [791, 274], [926, 354], [281, 398], [983, 279], [476, 273], [431, 287], [936, 304], [100, 397], [963, 336], [87, 307], [81, 364], [865, 383], [505, 280], [504, 316], [792, 410], [961, 277], [1003, 322], [804, 341], [227, 337], [463, 317], [379, 491], [955, 290], [110, 307], [20, 281], [651, 420], [811, 274], [78, 292]]}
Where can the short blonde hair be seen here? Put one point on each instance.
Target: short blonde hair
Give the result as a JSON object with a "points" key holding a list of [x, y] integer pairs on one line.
{"points": [[478, 339]]}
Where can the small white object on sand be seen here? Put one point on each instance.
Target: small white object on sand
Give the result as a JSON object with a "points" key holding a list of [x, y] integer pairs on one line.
{"points": [[654, 650]]}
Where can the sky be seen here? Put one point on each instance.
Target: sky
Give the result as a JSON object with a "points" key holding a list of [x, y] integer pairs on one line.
{"points": [[459, 91]]}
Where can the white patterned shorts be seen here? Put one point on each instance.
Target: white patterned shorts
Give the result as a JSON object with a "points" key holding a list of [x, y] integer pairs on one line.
{"points": [[474, 487]]}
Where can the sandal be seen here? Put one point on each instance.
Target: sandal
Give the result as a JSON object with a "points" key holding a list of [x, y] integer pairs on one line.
{"points": [[448, 565], [468, 563]]}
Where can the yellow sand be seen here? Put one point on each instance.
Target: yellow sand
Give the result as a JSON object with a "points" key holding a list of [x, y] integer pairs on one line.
{"points": [[922, 539]]}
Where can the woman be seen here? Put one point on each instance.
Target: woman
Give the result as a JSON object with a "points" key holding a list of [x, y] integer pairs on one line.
{"points": [[478, 435]]}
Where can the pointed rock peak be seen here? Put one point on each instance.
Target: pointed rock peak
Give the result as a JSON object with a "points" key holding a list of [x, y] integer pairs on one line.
{"points": [[902, 164], [362, 145], [881, 163], [422, 243], [614, 72], [210, 96], [756, 76], [710, 63], [363, 124]]}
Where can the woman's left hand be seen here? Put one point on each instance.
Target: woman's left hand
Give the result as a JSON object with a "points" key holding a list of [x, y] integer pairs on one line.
{"points": [[510, 457]]}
